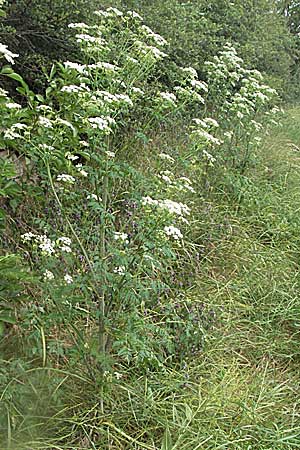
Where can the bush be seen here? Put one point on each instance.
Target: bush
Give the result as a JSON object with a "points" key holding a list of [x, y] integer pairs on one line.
{"points": [[197, 30], [38, 31]]}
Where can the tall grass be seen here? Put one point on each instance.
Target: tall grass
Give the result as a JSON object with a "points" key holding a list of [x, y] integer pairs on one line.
{"points": [[241, 389]]}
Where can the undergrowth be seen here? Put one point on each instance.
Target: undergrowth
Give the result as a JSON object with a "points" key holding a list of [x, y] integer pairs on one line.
{"points": [[150, 257]]}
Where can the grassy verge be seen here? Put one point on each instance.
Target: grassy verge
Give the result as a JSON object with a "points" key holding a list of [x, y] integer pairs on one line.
{"points": [[241, 391]]}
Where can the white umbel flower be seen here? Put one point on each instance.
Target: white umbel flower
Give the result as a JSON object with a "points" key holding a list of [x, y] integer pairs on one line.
{"points": [[120, 270], [48, 275], [64, 243], [68, 279], [121, 237], [65, 178], [45, 122], [8, 55], [173, 232]]}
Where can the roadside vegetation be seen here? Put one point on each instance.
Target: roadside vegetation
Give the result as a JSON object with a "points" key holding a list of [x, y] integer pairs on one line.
{"points": [[149, 215]]}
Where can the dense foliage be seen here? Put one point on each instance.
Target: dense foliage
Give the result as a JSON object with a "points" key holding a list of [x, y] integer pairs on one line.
{"points": [[123, 172], [197, 30], [38, 32]]}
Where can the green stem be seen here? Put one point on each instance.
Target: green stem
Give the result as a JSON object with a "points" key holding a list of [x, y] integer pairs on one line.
{"points": [[102, 336]]}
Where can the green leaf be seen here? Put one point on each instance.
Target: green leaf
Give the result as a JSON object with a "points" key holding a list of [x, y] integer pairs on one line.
{"points": [[167, 440], [7, 319], [40, 98], [188, 413], [15, 76], [6, 70]]}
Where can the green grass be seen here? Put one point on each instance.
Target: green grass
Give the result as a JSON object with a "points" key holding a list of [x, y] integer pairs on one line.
{"points": [[242, 390]]}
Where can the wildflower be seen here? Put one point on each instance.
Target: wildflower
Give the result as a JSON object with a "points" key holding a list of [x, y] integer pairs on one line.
{"points": [[121, 237], [165, 178], [150, 50], [186, 184], [3, 92], [19, 126], [81, 170], [186, 179], [169, 97], [191, 72], [156, 37], [66, 123], [110, 154], [118, 375], [27, 237], [137, 90], [50, 148], [65, 240], [208, 156], [228, 134], [149, 201], [68, 279], [124, 98], [48, 275], [71, 157], [94, 197], [166, 157], [101, 123], [72, 88], [44, 108], [174, 232], [64, 244], [45, 122], [120, 270], [209, 138], [65, 178], [131, 59], [78, 25], [173, 207], [8, 55], [115, 11], [11, 134], [85, 37], [104, 66], [258, 126], [211, 122], [81, 68], [199, 85], [134, 15], [45, 244], [13, 105], [84, 143], [101, 13]]}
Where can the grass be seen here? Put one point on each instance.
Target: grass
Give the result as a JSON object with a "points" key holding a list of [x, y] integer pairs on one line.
{"points": [[242, 390]]}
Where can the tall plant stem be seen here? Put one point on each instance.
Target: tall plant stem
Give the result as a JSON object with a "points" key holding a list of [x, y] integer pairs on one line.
{"points": [[102, 336]]}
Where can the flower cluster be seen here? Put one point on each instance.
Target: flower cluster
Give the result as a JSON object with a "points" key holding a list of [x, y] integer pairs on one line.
{"points": [[46, 245], [172, 207], [65, 178], [179, 184], [118, 236], [8, 55], [102, 123], [168, 99], [173, 232]]}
